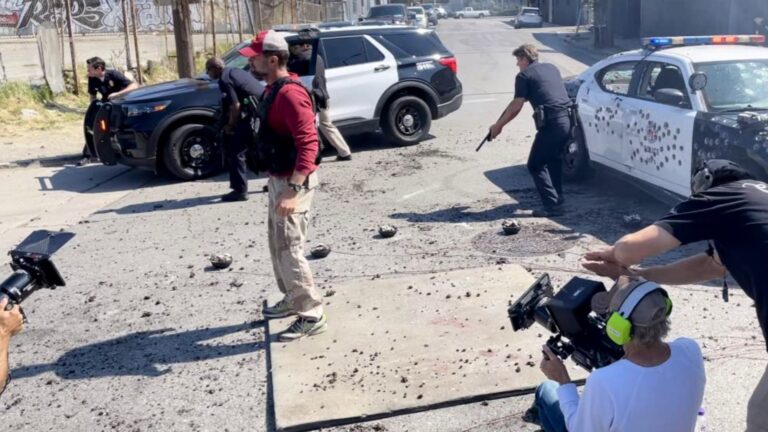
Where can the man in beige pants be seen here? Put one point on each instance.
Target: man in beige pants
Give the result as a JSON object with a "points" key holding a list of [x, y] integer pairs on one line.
{"points": [[301, 55], [290, 148]]}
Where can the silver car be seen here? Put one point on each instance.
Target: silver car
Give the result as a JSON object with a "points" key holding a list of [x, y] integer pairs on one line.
{"points": [[529, 17], [418, 17]]}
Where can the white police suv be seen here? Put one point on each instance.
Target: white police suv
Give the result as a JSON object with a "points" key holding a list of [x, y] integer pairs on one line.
{"points": [[657, 113]]}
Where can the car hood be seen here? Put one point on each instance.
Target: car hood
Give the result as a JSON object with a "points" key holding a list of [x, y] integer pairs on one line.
{"points": [[166, 89]]}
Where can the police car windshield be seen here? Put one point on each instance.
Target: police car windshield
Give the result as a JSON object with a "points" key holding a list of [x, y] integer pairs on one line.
{"points": [[736, 85], [233, 58]]}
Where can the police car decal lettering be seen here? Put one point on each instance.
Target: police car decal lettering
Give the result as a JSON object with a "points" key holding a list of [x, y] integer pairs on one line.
{"points": [[422, 66]]}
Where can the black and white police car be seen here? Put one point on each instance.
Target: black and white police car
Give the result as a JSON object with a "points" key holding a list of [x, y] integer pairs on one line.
{"points": [[394, 78], [655, 114]]}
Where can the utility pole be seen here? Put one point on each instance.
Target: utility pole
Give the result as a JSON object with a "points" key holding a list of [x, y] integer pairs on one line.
{"points": [[239, 21], [68, 5], [213, 29], [182, 31], [128, 65], [136, 43]]}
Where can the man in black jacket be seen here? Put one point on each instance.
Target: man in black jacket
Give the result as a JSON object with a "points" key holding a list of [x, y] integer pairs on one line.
{"points": [[236, 86], [301, 57]]}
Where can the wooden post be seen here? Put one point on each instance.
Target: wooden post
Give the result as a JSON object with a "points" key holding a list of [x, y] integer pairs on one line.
{"points": [[72, 46], [136, 42], [165, 29], [205, 27], [228, 21], [182, 30], [128, 65], [239, 21], [258, 10], [213, 29]]}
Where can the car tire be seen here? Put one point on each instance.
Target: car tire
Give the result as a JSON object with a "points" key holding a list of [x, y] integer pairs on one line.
{"points": [[407, 120], [192, 152], [576, 163]]}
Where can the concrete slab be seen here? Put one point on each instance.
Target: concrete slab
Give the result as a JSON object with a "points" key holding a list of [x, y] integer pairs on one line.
{"points": [[391, 348]]}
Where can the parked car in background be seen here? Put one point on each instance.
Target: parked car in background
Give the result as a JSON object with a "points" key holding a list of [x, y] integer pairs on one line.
{"points": [[418, 17], [529, 17], [431, 11], [469, 12], [386, 14], [441, 12]]}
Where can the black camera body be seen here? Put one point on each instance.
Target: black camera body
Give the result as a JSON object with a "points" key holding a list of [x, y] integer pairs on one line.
{"points": [[32, 265], [579, 333]]}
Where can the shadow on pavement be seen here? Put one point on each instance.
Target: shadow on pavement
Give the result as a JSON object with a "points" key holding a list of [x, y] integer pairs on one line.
{"points": [[139, 354], [98, 179]]}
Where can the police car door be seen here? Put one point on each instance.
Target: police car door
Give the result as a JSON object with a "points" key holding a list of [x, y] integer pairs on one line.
{"points": [[600, 101], [358, 71], [659, 136]]}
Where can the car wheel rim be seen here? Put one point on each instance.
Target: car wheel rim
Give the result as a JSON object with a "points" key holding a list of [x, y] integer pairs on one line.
{"points": [[408, 121], [196, 152]]}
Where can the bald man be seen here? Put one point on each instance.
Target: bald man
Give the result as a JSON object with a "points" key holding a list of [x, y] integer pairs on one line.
{"points": [[236, 86]]}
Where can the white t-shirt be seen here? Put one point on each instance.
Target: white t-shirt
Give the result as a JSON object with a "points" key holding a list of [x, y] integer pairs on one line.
{"points": [[625, 397]]}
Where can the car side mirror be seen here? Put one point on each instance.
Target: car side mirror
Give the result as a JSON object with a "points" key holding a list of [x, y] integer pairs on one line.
{"points": [[669, 96], [697, 81]]}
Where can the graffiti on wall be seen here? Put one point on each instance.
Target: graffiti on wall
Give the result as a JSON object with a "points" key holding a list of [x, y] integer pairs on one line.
{"points": [[88, 16]]}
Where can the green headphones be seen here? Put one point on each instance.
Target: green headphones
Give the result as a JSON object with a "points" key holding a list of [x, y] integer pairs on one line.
{"points": [[619, 327]]}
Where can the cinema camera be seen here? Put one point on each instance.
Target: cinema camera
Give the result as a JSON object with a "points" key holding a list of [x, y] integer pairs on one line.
{"points": [[579, 333], [32, 266]]}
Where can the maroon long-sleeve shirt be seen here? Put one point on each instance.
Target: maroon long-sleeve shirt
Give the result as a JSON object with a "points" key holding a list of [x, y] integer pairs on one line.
{"points": [[292, 114]]}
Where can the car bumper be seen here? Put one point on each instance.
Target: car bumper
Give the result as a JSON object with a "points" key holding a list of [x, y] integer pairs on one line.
{"points": [[450, 106]]}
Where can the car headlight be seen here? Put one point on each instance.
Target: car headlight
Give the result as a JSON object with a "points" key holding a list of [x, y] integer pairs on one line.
{"points": [[134, 110]]}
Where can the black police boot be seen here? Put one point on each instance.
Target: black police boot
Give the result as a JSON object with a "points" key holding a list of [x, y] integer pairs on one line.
{"points": [[234, 196], [553, 211]]}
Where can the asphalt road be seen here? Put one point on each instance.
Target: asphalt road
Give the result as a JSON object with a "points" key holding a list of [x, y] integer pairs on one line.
{"points": [[145, 337]]}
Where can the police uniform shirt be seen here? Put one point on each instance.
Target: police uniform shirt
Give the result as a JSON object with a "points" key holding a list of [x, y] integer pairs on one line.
{"points": [[236, 85], [735, 217], [113, 82], [541, 84]]}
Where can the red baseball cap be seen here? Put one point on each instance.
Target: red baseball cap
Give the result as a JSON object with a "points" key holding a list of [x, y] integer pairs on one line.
{"points": [[267, 40]]}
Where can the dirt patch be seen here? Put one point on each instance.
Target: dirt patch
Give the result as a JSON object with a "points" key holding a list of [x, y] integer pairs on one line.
{"points": [[532, 240]]}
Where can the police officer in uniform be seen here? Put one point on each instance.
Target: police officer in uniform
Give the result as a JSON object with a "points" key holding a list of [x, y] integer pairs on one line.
{"points": [[110, 84], [542, 85], [236, 86]]}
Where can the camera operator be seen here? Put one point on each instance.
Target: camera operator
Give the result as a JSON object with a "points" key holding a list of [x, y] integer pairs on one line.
{"points": [[11, 322], [542, 85], [657, 386], [727, 208]]}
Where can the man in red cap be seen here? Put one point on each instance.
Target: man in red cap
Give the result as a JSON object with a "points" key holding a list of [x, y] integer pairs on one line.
{"points": [[289, 152]]}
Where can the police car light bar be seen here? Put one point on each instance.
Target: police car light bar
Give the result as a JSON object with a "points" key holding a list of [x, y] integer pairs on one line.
{"points": [[672, 41]]}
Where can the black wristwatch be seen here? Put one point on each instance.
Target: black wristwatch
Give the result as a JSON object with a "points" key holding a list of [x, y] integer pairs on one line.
{"points": [[296, 187]]}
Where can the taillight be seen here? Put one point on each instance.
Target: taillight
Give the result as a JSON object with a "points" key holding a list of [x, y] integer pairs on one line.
{"points": [[103, 125], [450, 63]]}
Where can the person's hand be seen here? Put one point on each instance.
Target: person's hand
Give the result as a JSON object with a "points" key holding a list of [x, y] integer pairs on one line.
{"points": [[286, 203], [495, 130], [553, 367], [113, 95], [606, 269], [11, 321], [604, 263]]}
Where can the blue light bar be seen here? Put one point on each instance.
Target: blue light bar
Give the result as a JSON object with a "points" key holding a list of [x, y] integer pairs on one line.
{"points": [[670, 41]]}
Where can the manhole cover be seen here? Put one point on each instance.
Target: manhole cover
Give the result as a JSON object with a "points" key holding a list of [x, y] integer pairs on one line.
{"points": [[532, 240]]}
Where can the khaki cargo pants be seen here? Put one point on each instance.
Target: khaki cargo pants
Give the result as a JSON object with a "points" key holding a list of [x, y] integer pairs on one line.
{"points": [[332, 133], [757, 410], [287, 236]]}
